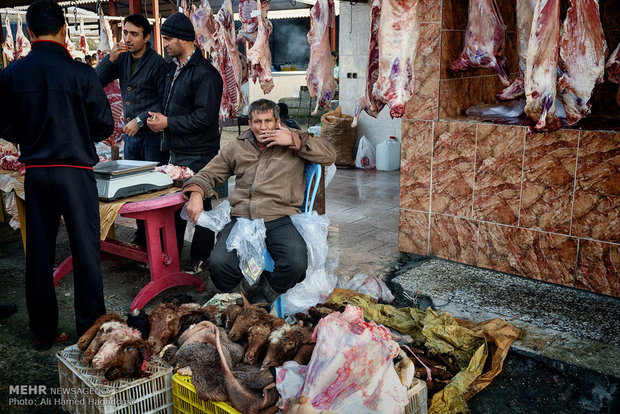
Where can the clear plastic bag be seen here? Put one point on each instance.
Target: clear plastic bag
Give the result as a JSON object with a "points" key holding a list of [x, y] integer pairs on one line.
{"points": [[248, 238], [373, 286], [214, 220], [313, 228], [330, 171], [315, 288], [365, 158], [512, 109]]}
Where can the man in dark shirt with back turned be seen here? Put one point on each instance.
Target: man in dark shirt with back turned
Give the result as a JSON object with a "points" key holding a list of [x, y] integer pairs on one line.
{"points": [[55, 109]]}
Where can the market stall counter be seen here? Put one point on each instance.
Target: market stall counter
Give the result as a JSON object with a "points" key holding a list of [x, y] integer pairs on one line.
{"points": [[160, 253]]}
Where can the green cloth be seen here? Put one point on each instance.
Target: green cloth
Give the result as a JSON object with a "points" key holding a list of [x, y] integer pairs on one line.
{"points": [[134, 64]]}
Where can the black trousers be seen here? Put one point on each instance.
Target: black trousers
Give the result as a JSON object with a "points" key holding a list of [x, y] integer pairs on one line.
{"points": [[70, 192], [203, 240], [284, 243]]}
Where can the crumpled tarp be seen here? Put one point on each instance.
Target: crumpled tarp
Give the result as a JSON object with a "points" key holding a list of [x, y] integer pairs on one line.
{"points": [[468, 342]]}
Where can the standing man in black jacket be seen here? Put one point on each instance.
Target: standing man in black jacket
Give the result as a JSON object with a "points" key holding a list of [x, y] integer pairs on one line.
{"points": [[193, 91], [55, 109], [141, 72]]}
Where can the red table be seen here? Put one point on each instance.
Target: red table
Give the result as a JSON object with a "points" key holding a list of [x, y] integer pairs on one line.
{"points": [[163, 261]]}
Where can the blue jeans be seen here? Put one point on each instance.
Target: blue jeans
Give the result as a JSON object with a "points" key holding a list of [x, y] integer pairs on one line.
{"points": [[145, 148]]}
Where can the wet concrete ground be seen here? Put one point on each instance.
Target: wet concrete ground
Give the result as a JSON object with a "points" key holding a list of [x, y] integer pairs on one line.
{"points": [[543, 373]]}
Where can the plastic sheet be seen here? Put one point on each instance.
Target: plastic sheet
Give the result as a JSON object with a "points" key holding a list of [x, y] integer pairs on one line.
{"points": [[315, 288], [373, 286], [512, 109], [248, 238], [214, 220]]}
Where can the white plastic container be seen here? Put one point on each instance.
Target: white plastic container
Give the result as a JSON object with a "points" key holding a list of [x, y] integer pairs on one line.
{"points": [[388, 155]]}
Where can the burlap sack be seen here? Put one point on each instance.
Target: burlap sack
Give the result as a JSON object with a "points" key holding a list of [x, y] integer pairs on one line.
{"points": [[337, 130]]}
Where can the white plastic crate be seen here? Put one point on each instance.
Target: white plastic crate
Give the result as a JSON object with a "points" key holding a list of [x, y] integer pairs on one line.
{"points": [[85, 390], [417, 394]]}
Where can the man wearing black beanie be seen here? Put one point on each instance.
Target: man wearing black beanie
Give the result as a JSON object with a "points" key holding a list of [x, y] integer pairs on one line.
{"points": [[192, 95]]}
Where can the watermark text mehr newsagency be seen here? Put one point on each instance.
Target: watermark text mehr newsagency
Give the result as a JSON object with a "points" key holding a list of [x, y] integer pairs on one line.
{"points": [[45, 390]]}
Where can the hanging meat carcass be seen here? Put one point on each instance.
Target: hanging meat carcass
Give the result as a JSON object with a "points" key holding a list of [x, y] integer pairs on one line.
{"points": [[484, 40], [320, 72], [582, 58], [69, 44], [226, 60], [399, 31], [525, 13], [22, 44], [542, 64], [369, 102], [204, 25], [83, 43], [250, 15], [612, 69], [259, 55], [105, 38], [9, 45], [112, 89]]}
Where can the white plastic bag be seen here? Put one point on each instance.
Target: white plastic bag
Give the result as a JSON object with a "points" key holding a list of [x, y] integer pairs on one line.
{"points": [[315, 288], [365, 158], [248, 238], [313, 228], [373, 286], [214, 220]]}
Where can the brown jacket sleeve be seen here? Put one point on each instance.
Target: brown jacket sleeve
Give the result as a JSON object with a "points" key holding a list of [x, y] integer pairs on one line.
{"points": [[317, 150], [213, 174]]}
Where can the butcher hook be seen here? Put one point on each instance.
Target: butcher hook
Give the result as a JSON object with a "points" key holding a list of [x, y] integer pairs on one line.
{"points": [[74, 5]]}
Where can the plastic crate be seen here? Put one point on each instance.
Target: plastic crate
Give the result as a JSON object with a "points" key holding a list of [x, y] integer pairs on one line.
{"points": [[85, 390], [417, 394], [186, 400]]}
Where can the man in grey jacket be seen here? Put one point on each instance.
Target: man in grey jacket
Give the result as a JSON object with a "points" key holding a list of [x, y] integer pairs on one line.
{"points": [[140, 71]]}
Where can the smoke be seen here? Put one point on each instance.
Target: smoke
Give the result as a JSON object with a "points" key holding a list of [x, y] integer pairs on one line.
{"points": [[289, 43]]}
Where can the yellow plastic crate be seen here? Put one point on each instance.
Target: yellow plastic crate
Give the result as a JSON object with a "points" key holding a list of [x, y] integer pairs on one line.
{"points": [[186, 401], [86, 391]]}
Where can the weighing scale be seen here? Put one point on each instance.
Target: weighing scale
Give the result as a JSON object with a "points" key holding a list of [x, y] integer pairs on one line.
{"points": [[124, 178]]}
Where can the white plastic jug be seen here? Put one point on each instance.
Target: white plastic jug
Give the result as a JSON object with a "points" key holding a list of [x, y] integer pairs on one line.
{"points": [[388, 155]]}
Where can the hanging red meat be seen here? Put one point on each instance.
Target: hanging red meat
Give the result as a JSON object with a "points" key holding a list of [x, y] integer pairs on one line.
{"points": [[112, 89], [259, 55], [226, 60], [612, 68], [582, 58], [69, 44], [83, 43], [22, 44], [369, 102], [542, 64], [250, 14], [525, 13], [204, 25], [399, 31], [320, 71], [484, 40], [9, 45]]}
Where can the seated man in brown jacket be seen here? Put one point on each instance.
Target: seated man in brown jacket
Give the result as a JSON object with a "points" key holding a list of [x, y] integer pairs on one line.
{"points": [[268, 162]]}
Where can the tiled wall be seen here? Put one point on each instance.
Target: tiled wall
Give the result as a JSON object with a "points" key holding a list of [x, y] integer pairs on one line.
{"points": [[543, 206]]}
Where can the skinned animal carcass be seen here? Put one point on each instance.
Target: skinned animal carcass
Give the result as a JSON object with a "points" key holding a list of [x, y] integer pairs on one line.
{"points": [[320, 73], [8, 47], [484, 40], [259, 55], [582, 58], [542, 64], [22, 44]]}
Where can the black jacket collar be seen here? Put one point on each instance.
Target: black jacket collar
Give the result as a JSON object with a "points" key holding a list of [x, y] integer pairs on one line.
{"points": [[50, 45]]}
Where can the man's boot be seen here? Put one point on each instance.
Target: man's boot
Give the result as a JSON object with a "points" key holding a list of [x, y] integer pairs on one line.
{"points": [[268, 293]]}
